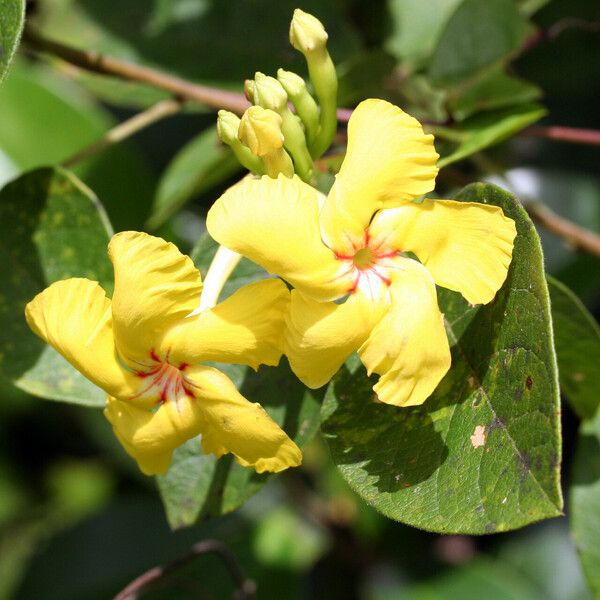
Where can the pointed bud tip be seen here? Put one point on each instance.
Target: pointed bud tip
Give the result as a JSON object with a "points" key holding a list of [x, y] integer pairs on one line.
{"points": [[269, 93], [260, 130], [307, 33]]}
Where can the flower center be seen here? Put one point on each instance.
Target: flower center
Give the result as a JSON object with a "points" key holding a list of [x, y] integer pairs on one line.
{"points": [[369, 266], [363, 259], [162, 381]]}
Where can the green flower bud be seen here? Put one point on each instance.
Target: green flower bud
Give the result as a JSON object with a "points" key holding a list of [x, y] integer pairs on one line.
{"points": [[269, 93], [228, 126], [306, 107], [307, 33]]}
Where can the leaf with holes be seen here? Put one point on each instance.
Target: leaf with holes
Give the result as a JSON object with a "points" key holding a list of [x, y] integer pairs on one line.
{"points": [[53, 227], [198, 486], [482, 454], [12, 19]]}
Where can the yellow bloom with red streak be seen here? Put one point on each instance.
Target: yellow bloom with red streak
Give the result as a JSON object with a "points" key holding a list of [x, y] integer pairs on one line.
{"points": [[355, 287], [146, 352]]}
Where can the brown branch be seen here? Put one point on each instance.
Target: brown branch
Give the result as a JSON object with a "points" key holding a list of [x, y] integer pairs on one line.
{"points": [[245, 587], [106, 65], [576, 236], [564, 134], [127, 128]]}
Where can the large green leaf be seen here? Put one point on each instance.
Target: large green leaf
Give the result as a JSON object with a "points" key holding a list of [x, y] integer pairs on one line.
{"points": [[198, 486], [577, 337], [56, 121], [490, 128], [585, 500], [201, 164], [53, 227], [12, 19], [478, 35], [427, 466]]}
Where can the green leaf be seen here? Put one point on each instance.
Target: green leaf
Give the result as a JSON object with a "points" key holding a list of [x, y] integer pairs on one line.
{"points": [[530, 7], [490, 128], [585, 500], [494, 89], [479, 34], [421, 465], [53, 227], [58, 120], [198, 486], [12, 19], [417, 27], [201, 164], [483, 578], [577, 338]]}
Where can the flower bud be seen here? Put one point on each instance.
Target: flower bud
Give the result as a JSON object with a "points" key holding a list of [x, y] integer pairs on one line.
{"points": [[269, 93], [249, 90], [306, 107], [307, 33], [228, 126], [260, 130]]}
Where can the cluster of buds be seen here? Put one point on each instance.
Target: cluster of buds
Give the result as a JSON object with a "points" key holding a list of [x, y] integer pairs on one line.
{"points": [[286, 129]]}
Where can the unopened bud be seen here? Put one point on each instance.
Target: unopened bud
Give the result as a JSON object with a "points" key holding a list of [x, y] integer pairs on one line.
{"points": [[228, 125], [260, 130], [306, 107], [269, 93], [249, 90], [307, 33]]}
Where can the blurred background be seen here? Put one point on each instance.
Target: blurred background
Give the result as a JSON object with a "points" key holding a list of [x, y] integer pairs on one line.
{"points": [[77, 520]]}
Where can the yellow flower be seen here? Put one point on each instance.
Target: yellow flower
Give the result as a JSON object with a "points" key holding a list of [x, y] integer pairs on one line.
{"points": [[142, 350], [353, 243]]}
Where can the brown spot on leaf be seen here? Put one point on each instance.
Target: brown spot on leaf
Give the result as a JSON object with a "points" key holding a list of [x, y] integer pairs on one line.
{"points": [[578, 377], [529, 382]]}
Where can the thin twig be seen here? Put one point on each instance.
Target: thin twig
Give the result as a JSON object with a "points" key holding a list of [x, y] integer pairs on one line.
{"points": [[564, 134], [246, 588], [576, 236], [160, 110], [106, 65], [554, 31]]}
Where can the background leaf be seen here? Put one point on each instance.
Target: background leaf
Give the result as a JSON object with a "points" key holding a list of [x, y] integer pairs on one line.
{"points": [[577, 340], [175, 36], [490, 128], [12, 19], [478, 34], [420, 465], [198, 486], [53, 227], [585, 500], [58, 119], [201, 164]]}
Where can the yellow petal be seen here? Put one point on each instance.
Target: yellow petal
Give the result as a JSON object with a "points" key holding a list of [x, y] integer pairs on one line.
{"points": [[321, 335], [155, 286], [74, 317], [151, 437], [389, 161], [408, 346], [247, 328], [230, 423], [274, 222], [466, 246]]}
